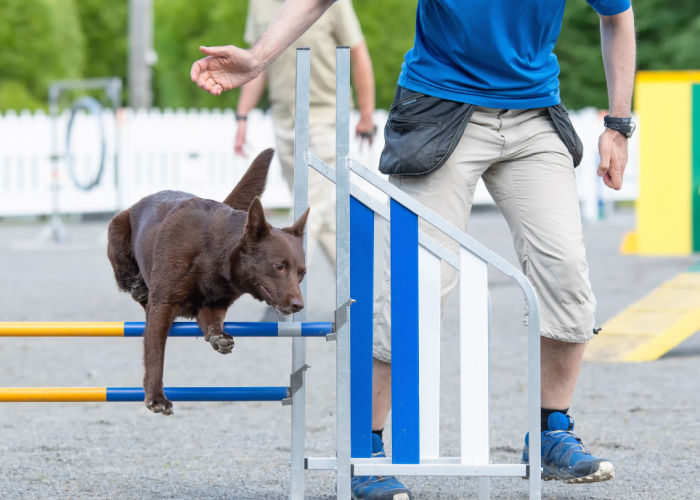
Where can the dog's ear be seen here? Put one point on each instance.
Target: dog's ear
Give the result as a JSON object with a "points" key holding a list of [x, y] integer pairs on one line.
{"points": [[297, 229], [252, 183], [256, 227]]}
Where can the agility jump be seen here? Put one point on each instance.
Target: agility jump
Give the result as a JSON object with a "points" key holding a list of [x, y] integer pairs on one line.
{"points": [[415, 316]]}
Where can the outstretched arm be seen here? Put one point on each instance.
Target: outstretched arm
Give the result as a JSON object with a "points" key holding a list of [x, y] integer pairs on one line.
{"points": [[250, 95], [618, 45], [228, 67], [363, 78]]}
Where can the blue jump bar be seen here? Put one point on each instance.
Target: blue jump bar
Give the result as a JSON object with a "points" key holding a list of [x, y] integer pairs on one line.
{"points": [[122, 394], [241, 329]]}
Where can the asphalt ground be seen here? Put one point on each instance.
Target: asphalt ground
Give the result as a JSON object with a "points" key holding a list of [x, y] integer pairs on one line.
{"points": [[643, 417]]}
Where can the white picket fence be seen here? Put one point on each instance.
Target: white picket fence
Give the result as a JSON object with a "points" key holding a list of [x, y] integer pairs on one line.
{"points": [[191, 150]]}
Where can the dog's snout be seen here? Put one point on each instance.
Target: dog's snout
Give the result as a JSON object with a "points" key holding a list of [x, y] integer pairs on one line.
{"points": [[296, 305]]}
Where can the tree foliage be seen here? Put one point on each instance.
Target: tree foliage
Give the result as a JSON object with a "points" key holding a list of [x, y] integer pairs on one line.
{"points": [[389, 28], [667, 39], [181, 27], [45, 40], [41, 41], [106, 31]]}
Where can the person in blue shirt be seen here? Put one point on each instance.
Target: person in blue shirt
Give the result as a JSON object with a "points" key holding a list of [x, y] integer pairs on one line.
{"points": [[478, 97]]}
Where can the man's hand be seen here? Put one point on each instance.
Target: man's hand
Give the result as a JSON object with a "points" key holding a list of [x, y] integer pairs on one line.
{"points": [[612, 146], [225, 68], [366, 129]]}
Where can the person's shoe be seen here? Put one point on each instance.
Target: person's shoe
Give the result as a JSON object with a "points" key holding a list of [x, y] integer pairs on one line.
{"points": [[378, 487], [565, 458]]}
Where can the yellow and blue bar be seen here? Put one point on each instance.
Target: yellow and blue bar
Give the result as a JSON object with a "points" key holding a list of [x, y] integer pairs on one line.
{"points": [[179, 329], [134, 394]]}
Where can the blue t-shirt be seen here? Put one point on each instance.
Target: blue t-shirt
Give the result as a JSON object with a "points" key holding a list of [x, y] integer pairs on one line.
{"points": [[492, 53]]}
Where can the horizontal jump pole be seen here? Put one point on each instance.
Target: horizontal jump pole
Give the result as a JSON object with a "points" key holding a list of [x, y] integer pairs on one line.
{"points": [[179, 329], [133, 394]]}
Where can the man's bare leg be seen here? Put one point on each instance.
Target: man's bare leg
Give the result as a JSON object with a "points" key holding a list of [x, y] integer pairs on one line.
{"points": [[381, 393], [560, 364]]}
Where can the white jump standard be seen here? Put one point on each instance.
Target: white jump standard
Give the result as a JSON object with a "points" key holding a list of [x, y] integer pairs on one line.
{"points": [[415, 419]]}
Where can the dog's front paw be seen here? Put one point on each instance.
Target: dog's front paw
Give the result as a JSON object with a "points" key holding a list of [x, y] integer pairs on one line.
{"points": [[159, 404], [221, 342]]}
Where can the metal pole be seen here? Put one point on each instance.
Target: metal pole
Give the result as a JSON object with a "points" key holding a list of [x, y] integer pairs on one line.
{"points": [[141, 54], [535, 455], [485, 482], [114, 90], [56, 227], [301, 195], [342, 265]]}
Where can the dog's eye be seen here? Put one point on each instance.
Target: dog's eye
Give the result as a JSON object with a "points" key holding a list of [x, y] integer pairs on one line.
{"points": [[279, 267]]}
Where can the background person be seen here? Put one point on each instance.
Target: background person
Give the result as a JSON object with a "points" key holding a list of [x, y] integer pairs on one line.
{"points": [[339, 26]]}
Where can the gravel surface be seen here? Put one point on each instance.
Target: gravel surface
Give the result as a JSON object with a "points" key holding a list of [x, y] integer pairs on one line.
{"points": [[644, 417]]}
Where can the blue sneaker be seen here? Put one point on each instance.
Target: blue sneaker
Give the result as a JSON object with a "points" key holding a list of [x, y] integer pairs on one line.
{"points": [[378, 487], [565, 458]]}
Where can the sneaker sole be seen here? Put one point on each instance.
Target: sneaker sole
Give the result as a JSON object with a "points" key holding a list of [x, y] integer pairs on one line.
{"points": [[398, 496], [605, 472]]}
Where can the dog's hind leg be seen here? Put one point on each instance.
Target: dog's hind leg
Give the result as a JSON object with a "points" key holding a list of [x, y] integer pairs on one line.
{"points": [[211, 322], [159, 319]]}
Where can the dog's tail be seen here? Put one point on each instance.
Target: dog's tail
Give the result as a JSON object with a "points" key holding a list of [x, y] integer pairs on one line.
{"points": [[120, 252], [252, 183]]}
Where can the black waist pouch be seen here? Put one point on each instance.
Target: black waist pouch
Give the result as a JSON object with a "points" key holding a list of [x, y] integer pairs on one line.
{"points": [[421, 132], [565, 129]]}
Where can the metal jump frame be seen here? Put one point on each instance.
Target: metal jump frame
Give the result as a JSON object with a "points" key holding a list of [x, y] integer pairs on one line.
{"points": [[355, 212]]}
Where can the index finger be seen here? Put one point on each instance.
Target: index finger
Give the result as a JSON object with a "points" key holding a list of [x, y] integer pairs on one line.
{"points": [[197, 67]]}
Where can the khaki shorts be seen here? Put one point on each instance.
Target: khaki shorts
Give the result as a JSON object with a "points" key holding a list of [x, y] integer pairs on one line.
{"points": [[529, 173]]}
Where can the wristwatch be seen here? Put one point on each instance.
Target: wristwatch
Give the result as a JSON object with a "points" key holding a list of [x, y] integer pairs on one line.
{"points": [[623, 125]]}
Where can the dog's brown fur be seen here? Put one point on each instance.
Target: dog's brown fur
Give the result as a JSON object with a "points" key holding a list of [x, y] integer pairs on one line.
{"points": [[180, 255]]}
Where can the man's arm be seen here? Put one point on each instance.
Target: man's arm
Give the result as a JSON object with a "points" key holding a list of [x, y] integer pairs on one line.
{"points": [[229, 66], [363, 78], [251, 93], [618, 44]]}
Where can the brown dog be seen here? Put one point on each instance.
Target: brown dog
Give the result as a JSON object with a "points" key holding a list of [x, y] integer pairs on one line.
{"points": [[180, 255]]}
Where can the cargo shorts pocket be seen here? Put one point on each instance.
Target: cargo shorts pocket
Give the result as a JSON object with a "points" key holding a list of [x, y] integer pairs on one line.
{"points": [[567, 133], [421, 132]]}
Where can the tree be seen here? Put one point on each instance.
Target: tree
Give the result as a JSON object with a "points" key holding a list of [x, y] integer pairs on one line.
{"points": [[181, 27], [387, 41], [41, 41], [105, 27]]}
